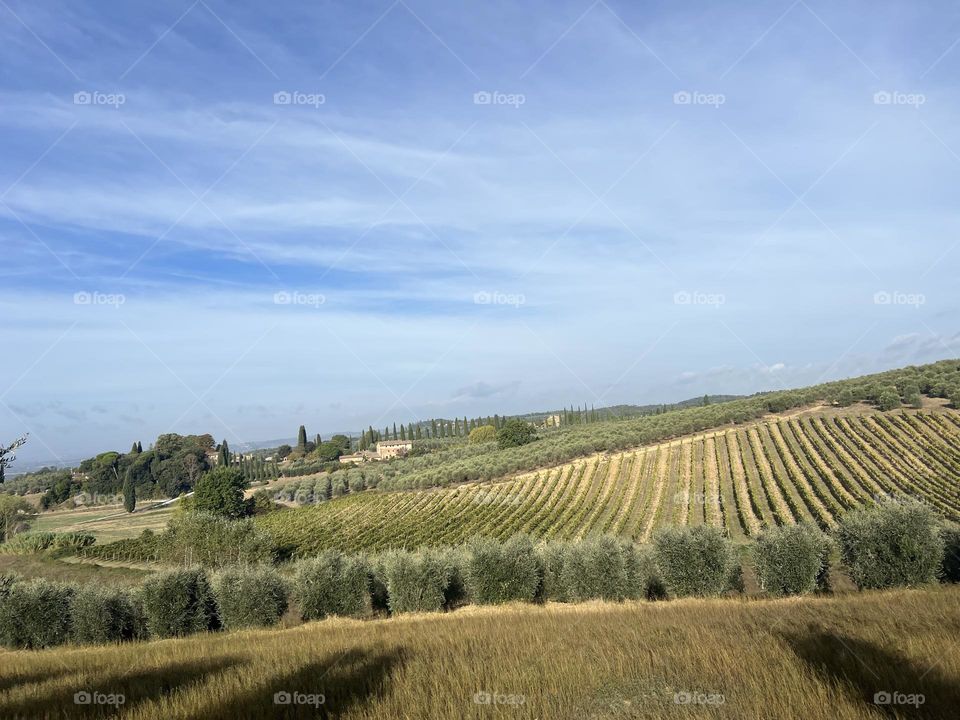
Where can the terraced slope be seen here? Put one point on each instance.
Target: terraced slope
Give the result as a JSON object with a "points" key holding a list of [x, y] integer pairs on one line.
{"points": [[811, 466]]}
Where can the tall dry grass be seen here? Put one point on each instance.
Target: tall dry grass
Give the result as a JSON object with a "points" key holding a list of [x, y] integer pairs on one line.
{"points": [[795, 658]]}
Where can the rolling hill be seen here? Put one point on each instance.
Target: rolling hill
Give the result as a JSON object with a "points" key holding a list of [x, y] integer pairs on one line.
{"points": [[810, 465]]}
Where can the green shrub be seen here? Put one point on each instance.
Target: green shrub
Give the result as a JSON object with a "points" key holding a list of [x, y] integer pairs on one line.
{"points": [[179, 602], [595, 569], [29, 543], [950, 569], [482, 434], [213, 541], [696, 561], [889, 399], [249, 596], [498, 572], [35, 614], [105, 615], [332, 584], [892, 544], [416, 581], [792, 559], [515, 433]]}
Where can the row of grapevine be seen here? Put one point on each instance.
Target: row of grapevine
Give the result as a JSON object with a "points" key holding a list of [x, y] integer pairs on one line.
{"points": [[744, 479]]}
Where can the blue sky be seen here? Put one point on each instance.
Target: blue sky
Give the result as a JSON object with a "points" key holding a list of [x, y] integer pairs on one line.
{"points": [[239, 217]]}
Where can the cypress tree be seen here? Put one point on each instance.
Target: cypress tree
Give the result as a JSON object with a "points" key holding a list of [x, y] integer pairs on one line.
{"points": [[464, 425], [302, 440], [129, 494], [224, 457], [403, 433], [410, 431], [456, 427], [135, 449], [318, 440], [433, 428], [419, 436], [139, 447], [395, 431]]}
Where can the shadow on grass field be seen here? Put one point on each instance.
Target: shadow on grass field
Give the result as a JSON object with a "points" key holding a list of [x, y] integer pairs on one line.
{"points": [[871, 673], [795, 658]]}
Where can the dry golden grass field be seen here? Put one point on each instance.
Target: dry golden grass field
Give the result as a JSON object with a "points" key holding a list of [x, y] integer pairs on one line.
{"points": [[727, 658]]}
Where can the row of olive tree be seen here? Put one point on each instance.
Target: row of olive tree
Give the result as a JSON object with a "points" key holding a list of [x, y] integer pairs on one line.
{"points": [[898, 543]]}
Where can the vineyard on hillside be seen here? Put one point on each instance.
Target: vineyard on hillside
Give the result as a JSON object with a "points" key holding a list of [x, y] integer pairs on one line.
{"points": [[809, 467]]}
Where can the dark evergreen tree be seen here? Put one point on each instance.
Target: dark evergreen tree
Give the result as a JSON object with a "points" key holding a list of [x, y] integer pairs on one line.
{"points": [[403, 433], [129, 494], [224, 457], [135, 450], [139, 447], [302, 440]]}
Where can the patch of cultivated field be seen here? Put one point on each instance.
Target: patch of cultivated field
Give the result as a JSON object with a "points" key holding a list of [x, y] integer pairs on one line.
{"points": [[725, 658], [810, 466], [106, 523], [69, 570]]}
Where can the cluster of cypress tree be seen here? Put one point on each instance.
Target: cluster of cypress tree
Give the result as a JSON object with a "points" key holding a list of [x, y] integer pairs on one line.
{"points": [[432, 429]]}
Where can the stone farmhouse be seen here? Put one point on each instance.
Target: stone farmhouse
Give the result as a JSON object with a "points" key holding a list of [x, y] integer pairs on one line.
{"points": [[386, 449]]}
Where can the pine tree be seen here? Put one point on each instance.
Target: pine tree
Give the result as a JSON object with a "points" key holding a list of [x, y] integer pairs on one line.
{"points": [[129, 494], [302, 440]]}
